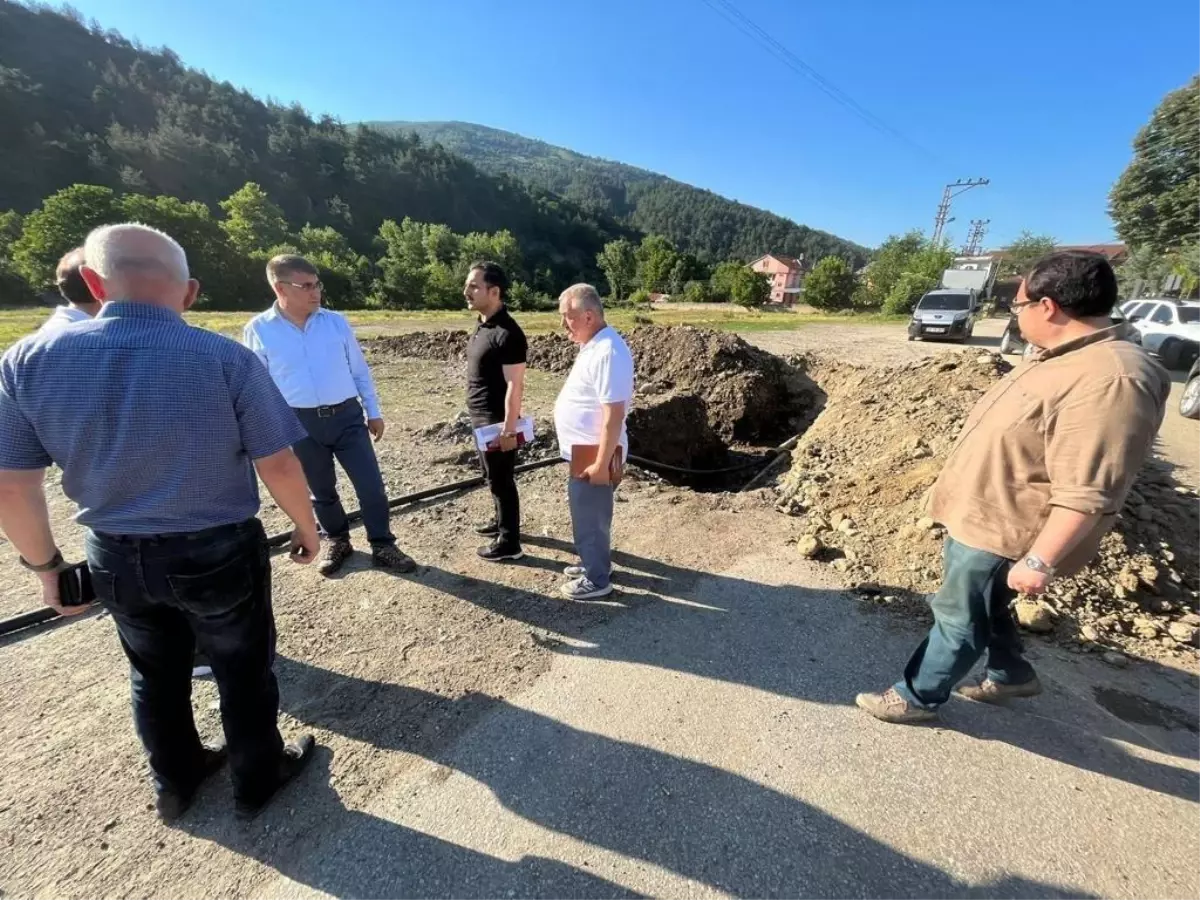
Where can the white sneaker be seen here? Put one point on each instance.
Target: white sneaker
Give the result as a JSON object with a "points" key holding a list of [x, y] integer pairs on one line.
{"points": [[580, 572], [582, 589]]}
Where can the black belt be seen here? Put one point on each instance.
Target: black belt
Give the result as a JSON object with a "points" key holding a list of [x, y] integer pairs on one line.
{"points": [[325, 412], [204, 534]]}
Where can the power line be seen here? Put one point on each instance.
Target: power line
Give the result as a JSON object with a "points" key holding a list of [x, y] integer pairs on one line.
{"points": [[731, 14]]}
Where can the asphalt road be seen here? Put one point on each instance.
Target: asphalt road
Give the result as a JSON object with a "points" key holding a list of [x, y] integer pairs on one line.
{"points": [[707, 745]]}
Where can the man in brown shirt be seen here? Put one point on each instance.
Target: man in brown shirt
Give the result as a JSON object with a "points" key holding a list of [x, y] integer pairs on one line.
{"points": [[1036, 479]]}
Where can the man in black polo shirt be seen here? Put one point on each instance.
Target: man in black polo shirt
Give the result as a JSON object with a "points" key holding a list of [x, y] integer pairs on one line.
{"points": [[495, 383]]}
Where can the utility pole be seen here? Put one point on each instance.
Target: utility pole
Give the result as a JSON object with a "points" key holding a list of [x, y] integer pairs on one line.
{"points": [[974, 244], [949, 193]]}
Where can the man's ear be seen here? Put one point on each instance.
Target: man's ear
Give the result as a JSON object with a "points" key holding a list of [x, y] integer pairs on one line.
{"points": [[95, 284], [192, 293]]}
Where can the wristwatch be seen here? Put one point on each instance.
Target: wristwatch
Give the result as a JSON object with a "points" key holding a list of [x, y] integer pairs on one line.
{"points": [[1037, 564], [55, 562]]}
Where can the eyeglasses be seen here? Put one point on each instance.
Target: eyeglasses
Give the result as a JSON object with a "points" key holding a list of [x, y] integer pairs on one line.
{"points": [[1017, 307], [303, 285]]}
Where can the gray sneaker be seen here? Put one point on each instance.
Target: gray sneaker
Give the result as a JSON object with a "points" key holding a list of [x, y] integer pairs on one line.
{"points": [[582, 589], [580, 572], [891, 707]]}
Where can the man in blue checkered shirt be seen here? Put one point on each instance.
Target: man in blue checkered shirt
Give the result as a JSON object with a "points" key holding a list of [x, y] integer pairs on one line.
{"points": [[160, 452]]}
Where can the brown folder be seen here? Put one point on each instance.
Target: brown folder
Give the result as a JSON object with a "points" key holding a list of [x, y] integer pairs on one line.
{"points": [[583, 455]]}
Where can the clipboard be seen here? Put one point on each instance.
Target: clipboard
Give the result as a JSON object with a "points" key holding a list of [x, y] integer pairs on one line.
{"points": [[583, 455]]}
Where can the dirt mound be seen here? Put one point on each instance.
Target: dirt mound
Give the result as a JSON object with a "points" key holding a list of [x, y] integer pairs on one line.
{"points": [[860, 474], [698, 391]]}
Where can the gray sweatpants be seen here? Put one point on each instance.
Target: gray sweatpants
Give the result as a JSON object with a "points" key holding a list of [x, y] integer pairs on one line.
{"points": [[591, 524]]}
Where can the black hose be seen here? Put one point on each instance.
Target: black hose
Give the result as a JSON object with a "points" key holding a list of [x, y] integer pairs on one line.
{"points": [[46, 614]]}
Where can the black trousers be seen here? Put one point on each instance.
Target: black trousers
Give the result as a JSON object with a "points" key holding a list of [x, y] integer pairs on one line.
{"points": [[498, 468], [170, 594]]}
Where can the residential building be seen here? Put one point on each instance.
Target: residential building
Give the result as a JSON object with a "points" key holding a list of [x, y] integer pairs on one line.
{"points": [[785, 274]]}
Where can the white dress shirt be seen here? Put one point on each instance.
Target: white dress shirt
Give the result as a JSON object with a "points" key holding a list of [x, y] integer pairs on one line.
{"points": [[320, 364], [62, 317]]}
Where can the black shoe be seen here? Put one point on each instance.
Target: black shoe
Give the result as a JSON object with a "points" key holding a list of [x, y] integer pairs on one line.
{"points": [[295, 757], [337, 551], [498, 552], [488, 529], [389, 556], [201, 667], [170, 805]]}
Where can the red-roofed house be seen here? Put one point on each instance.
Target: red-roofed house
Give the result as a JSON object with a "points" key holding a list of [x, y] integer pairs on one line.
{"points": [[785, 274]]}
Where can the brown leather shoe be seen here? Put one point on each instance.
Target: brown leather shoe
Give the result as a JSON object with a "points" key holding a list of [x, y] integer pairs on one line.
{"points": [[389, 556], [988, 691], [891, 707], [337, 551]]}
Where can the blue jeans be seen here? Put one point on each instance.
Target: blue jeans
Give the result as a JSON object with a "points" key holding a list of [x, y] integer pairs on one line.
{"points": [[970, 616], [344, 436], [591, 525], [169, 593]]}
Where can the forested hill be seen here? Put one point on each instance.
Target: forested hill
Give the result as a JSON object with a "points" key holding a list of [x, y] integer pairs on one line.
{"points": [[79, 104], [712, 227]]}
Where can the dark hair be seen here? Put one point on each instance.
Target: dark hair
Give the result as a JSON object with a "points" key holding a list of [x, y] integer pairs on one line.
{"points": [[493, 276], [69, 280], [289, 264], [1082, 283]]}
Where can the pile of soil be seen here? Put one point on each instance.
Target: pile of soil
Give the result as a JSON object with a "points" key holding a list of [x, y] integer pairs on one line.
{"points": [[698, 391], [858, 482]]}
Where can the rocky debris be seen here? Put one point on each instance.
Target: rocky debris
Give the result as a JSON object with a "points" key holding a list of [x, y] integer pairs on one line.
{"points": [[1033, 616], [876, 449], [673, 429], [809, 546]]}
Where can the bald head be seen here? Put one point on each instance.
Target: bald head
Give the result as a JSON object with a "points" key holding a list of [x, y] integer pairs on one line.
{"points": [[582, 312], [139, 263]]}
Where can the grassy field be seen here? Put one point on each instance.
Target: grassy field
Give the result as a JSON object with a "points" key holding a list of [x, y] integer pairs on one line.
{"points": [[16, 323]]}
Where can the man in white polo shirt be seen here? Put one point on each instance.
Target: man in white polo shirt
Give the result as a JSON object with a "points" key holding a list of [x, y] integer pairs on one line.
{"points": [[590, 413], [314, 358]]}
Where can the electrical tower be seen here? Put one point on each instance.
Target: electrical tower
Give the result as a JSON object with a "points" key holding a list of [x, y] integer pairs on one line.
{"points": [[974, 244], [949, 193]]}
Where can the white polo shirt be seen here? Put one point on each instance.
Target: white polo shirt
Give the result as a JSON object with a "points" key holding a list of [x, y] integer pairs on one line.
{"points": [[603, 373], [62, 317]]}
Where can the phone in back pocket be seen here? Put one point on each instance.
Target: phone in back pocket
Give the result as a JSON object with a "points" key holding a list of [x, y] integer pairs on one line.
{"points": [[75, 586]]}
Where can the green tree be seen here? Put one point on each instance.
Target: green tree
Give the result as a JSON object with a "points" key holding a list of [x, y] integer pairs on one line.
{"points": [[1021, 254], [722, 281], [345, 274], [618, 262], [498, 247], [655, 258], [830, 285], [252, 222], [402, 267], [442, 245], [748, 288], [60, 223], [697, 292], [1156, 201], [14, 290], [890, 262], [908, 289]]}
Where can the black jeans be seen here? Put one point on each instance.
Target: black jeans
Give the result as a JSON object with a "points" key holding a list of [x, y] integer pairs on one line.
{"points": [[344, 435], [498, 466], [169, 593]]}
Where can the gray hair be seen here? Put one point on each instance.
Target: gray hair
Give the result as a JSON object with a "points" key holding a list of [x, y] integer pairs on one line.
{"points": [[583, 297], [133, 248]]}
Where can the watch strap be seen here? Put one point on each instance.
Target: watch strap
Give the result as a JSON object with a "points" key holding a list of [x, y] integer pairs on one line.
{"points": [[55, 562]]}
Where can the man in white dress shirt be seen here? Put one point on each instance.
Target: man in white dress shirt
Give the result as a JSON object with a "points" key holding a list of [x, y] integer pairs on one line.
{"points": [[80, 305], [590, 411], [314, 358]]}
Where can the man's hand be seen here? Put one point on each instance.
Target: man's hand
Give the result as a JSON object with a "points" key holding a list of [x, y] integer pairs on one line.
{"points": [[1024, 580], [376, 427], [507, 442], [305, 545], [596, 474], [50, 596]]}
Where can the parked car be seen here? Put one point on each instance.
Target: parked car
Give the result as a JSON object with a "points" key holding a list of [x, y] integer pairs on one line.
{"points": [[1168, 328], [945, 313], [1189, 403]]}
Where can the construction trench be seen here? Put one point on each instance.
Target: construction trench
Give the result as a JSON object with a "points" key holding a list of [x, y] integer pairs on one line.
{"points": [[713, 413]]}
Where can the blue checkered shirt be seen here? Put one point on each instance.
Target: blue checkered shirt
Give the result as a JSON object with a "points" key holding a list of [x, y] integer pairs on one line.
{"points": [[154, 423]]}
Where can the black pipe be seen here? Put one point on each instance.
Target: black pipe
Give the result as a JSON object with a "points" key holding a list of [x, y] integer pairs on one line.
{"points": [[46, 614]]}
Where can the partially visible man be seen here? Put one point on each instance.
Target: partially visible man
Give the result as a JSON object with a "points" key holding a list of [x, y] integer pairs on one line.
{"points": [[314, 358], [1040, 470], [159, 453], [80, 305], [590, 413], [496, 357]]}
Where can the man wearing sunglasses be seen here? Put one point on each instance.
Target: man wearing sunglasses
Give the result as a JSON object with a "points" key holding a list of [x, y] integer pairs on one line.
{"points": [[314, 358], [1041, 468]]}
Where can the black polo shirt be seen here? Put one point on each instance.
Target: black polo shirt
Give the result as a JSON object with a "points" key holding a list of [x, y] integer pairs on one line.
{"points": [[496, 343]]}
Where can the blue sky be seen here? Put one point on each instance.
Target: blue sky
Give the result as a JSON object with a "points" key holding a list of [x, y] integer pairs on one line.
{"points": [[1043, 97]]}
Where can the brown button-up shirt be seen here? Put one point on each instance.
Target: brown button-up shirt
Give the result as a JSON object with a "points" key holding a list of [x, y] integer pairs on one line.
{"points": [[1070, 428]]}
